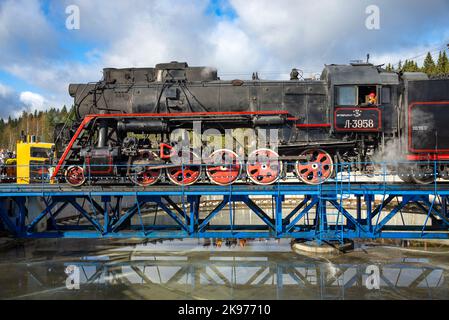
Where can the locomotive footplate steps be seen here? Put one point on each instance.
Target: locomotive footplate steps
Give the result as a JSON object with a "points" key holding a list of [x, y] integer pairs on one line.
{"points": [[323, 213]]}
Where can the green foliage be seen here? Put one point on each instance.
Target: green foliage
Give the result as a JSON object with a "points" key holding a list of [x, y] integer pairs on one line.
{"points": [[39, 123], [429, 66], [442, 66], [410, 66]]}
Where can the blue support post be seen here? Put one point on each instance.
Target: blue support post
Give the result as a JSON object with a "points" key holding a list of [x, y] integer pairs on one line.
{"points": [[278, 214], [444, 207], [368, 201], [194, 202], [106, 202], [359, 208]]}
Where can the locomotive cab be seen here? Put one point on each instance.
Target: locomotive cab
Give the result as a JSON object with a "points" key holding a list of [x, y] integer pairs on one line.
{"points": [[361, 94]]}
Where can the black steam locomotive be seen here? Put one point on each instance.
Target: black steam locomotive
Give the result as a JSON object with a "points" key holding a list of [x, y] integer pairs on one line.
{"points": [[353, 114]]}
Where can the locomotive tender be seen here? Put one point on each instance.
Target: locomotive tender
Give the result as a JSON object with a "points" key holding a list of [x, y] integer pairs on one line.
{"points": [[351, 116]]}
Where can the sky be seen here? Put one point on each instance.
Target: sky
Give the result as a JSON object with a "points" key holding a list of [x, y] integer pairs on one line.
{"points": [[40, 56]]}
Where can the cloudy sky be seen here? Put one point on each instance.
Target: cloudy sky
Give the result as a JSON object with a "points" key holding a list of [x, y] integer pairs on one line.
{"points": [[39, 56]]}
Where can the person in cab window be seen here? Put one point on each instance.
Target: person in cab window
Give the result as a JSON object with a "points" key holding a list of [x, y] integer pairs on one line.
{"points": [[372, 99]]}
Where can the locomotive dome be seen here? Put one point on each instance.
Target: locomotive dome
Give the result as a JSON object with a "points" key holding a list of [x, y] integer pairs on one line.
{"points": [[160, 73]]}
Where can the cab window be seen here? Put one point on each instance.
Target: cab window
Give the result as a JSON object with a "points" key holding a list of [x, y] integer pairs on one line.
{"points": [[39, 153], [367, 95], [346, 96]]}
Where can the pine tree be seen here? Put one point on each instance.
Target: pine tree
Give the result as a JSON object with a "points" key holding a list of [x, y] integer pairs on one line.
{"points": [[405, 66], [443, 64], [410, 66], [429, 65]]}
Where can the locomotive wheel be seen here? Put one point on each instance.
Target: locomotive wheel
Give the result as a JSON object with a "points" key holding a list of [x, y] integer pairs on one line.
{"points": [[422, 175], [404, 173], [75, 176], [143, 175], [225, 167], [317, 170], [188, 173], [264, 167]]}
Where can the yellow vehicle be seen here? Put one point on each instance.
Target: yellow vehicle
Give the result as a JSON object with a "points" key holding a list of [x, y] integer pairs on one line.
{"points": [[32, 163]]}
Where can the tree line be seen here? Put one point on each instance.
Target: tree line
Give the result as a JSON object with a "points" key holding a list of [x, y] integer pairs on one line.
{"points": [[430, 67], [38, 123]]}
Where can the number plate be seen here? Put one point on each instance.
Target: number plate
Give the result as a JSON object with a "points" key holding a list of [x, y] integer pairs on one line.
{"points": [[358, 119]]}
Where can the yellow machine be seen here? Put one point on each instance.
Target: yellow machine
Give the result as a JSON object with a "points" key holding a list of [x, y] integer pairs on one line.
{"points": [[33, 160]]}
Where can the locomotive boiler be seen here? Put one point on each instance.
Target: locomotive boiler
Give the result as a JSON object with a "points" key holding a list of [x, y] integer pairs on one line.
{"points": [[347, 119]]}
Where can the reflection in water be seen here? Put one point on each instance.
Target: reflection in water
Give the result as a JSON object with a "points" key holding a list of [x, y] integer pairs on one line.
{"points": [[265, 270]]}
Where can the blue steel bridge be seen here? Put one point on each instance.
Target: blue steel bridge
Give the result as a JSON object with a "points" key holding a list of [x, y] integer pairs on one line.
{"points": [[345, 208]]}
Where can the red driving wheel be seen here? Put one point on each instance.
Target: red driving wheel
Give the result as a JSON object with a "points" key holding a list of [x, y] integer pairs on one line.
{"points": [[224, 168], [264, 167], [189, 170], [317, 169], [146, 176], [74, 175]]}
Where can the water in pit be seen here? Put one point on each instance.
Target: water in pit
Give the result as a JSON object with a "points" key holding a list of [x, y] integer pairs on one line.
{"points": [[189, 269]]}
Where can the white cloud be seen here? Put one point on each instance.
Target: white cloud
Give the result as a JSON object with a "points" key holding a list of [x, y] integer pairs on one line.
{"points": [[227, 41], [13, 103], [317, 32], [25, 33], [33, 101]]}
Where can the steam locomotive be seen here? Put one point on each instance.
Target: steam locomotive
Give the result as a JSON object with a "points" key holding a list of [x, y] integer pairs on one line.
{"points": [[351, 115]]}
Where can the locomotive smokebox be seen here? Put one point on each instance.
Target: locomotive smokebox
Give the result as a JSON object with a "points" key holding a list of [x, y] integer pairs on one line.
{"points": [[73, 88]]}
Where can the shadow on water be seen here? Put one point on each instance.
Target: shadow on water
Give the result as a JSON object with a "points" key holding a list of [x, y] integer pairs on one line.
{"points": [[190, 270]]}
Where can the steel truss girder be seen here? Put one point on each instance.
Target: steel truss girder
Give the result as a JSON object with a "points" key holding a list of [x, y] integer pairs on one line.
{"points": [[103, 214]]}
